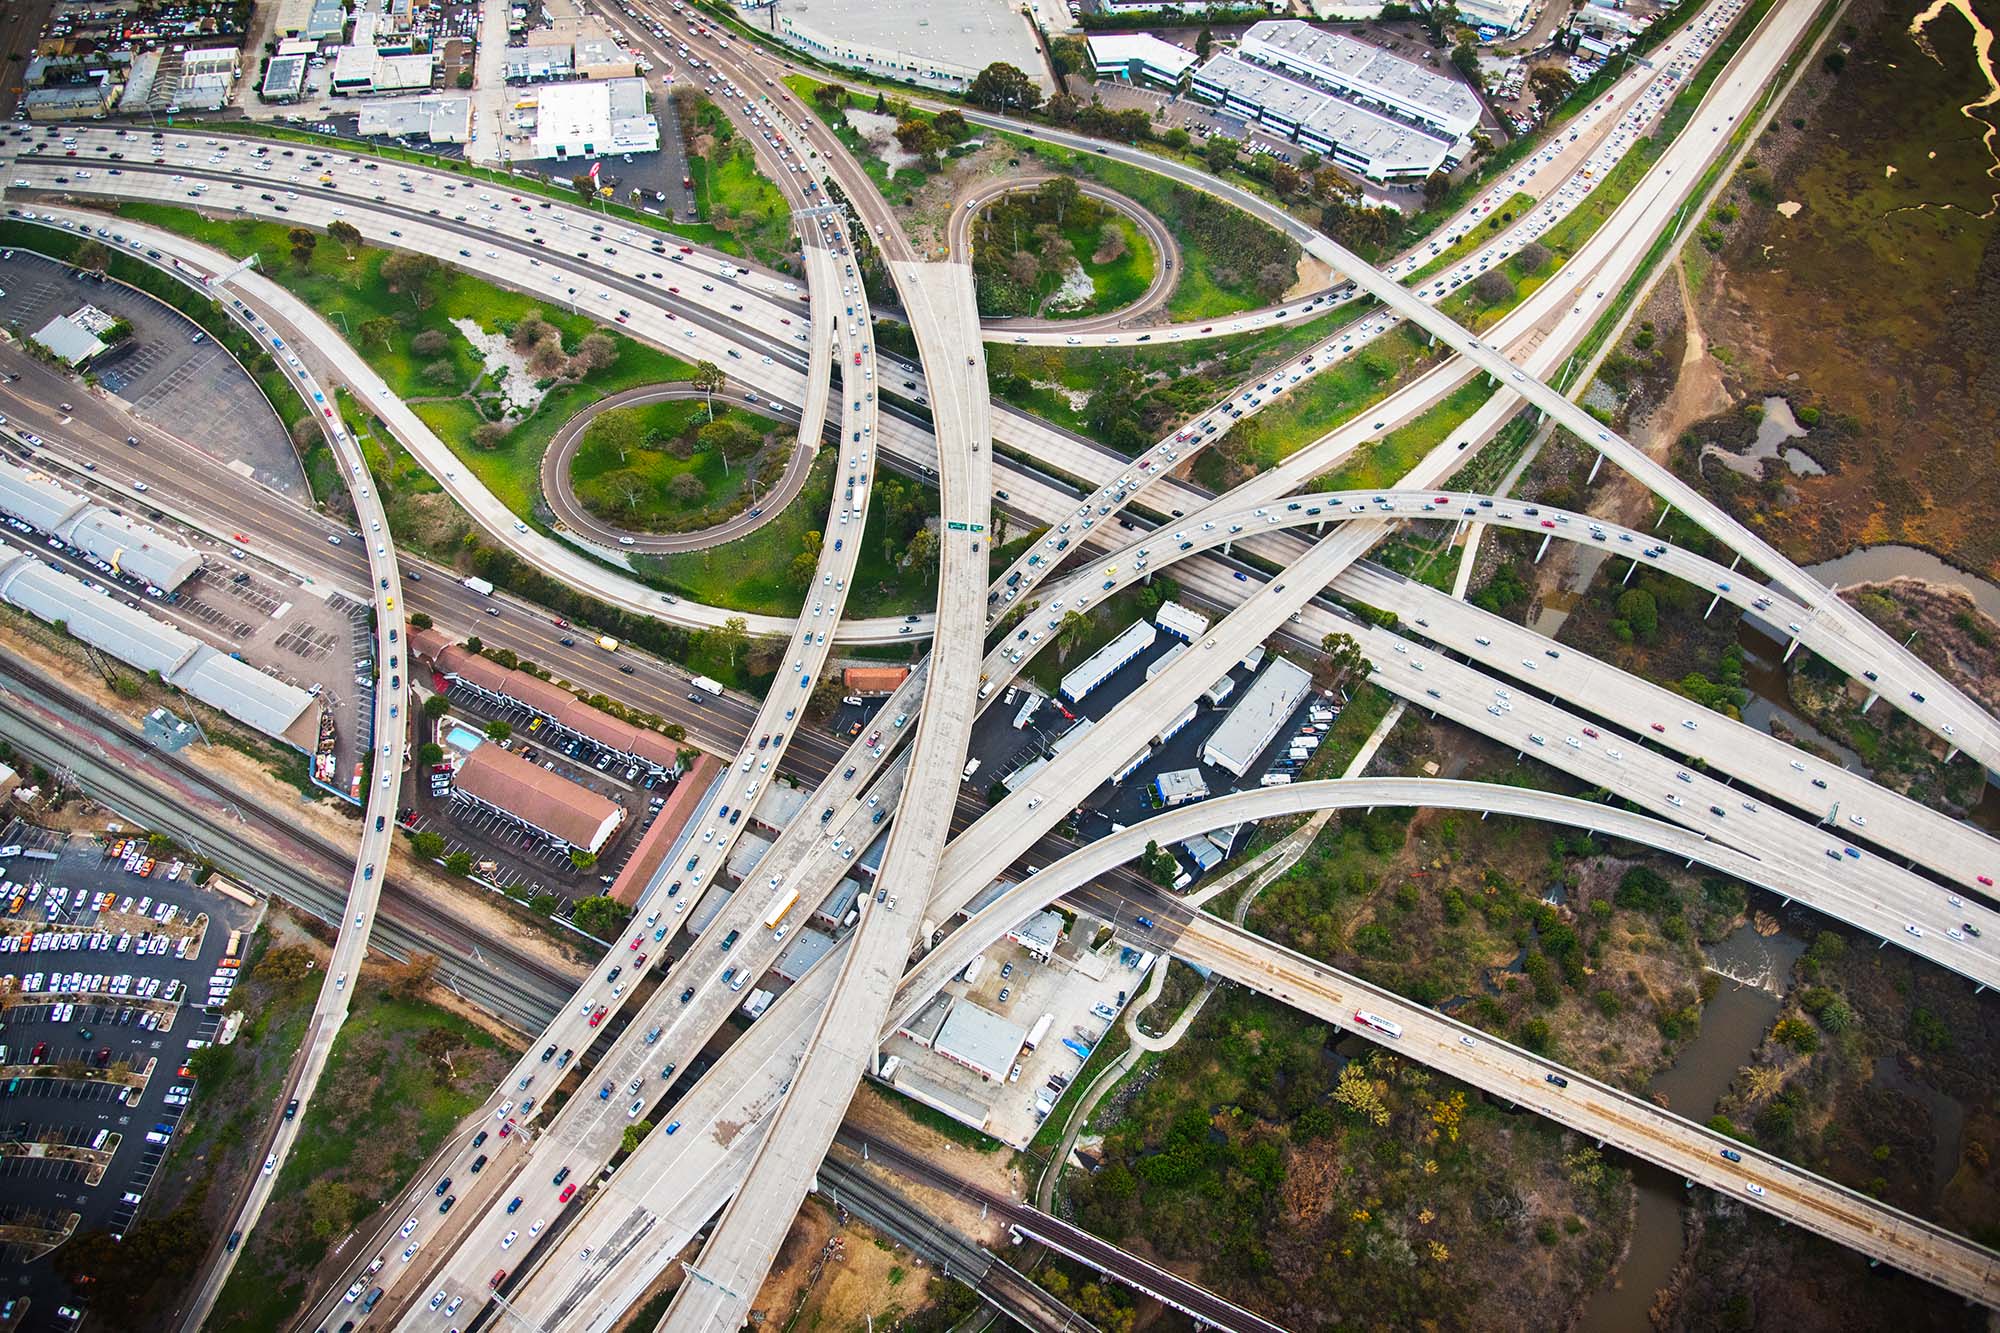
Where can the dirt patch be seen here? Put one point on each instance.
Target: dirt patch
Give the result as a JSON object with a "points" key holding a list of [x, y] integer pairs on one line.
{"points": [[1314, 275], [876, 1112]]}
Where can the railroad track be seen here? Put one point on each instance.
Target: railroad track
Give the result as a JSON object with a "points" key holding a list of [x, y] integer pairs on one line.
{"points": [[520, 988]]}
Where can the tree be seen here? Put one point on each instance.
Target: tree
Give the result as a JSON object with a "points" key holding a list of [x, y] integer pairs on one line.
{"points": [[596, 352], [430, 752], [437, 705], [730, 637], [599, 916], [950, 126], [581, 859], [411, 274], [408, 979], [1219, 153], [1004, 87], [1343, 656], [1465, 57], [489, 435], [1070, 55], [91, 257], [1071, 629], [430, 342], [634, 1134], [1159, 865], [345, 234], [918, 139], [923, 547], [420, 620], [459, 863], [1550, 87], [687, 488], [428, 844], [464, 79], [377, 332], [499, 729], [1204, 43], [1360, 1094], [1176, 140], [708, 377], [831, 96], [305, 433], [304, 240]]}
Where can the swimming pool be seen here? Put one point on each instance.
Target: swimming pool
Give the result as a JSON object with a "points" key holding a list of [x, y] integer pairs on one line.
{"points": [[463, 741]]}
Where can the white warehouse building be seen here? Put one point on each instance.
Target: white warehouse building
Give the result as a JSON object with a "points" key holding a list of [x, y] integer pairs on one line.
{"points": [[1266, 706]]}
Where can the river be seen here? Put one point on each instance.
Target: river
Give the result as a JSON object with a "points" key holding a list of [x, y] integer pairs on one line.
{"points": [[1755, 970]]}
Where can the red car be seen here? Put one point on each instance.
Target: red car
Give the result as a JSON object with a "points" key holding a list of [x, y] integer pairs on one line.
{"points": [[598, 1017], [569, 1192], [635, 940], [506, 1129], [874, 738], [1659, 728], [1987, 880], [1590, 732], [499, 1276], [857, 358]]}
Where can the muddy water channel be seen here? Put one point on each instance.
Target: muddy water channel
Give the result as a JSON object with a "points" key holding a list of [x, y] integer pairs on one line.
{"points": [[1754, 971]]}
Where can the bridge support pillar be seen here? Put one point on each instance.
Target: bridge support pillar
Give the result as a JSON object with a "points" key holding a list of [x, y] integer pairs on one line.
{"points": [[1869, 702], [1664, 511], [1226, 546], [1711, 606], [1543, 549], [1319, 528], [1791, 648], [1628, 573], [1593, 470], [1149, 578], [1951, 755], [1734, 561]]}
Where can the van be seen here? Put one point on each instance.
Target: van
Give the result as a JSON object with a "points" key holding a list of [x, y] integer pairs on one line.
{"points": [[971, 767]]}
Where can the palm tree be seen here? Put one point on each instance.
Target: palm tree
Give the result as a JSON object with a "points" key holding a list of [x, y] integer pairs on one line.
{"points": [[708, 377]]}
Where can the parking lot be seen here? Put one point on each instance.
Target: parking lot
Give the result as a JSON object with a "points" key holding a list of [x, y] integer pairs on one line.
{"points": [[88, 905], [192, 390], [518, 857]]}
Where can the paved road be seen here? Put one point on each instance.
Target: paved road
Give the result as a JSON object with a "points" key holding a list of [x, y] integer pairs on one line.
{"points": [[1167, 260], [559, 490]]}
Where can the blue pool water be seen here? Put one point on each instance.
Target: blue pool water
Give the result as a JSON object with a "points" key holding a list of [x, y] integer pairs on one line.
{"points": [[463, 741]]}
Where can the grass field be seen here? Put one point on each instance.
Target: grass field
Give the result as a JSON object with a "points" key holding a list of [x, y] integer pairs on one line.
{"points": [[908, 176], [1480, 235], [1385, 462], [446, 388], [636, 487], [755, 573], [400, 1076], [733, 196]]}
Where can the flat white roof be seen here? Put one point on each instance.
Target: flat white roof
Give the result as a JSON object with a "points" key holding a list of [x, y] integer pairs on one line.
{"points": [[980, 1039], [956, 37], [594, 118], [1380, 142], [1257, 716], [1122, 48], [1134, 639], [1367, 70], [1180, 621]]}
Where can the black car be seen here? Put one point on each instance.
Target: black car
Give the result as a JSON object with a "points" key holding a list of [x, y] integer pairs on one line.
{"points": [[292, 1109], [449, 1200], [479, 1138], [442, 1186], [549, 1053], [1969, 929]]}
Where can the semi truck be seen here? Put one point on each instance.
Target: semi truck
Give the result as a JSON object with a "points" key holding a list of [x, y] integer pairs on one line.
{"points": [[480, 586], [1039, 1031]]}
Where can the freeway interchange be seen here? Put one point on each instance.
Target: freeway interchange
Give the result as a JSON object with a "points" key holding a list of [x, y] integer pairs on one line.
{"points": [[746, 1137]]}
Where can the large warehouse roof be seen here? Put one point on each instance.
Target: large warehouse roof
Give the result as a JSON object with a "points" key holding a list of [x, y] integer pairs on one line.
{"points": [[137, 639], [537, 797], [36, 500], [133, 548], [55, 509], [128, 634], [980, 1039], [1265, 707], [245, 693]]}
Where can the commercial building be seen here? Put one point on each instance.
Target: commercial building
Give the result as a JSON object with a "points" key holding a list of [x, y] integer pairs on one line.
{"points": [[1367, 74], [979, 1039], [1266, 706], [10, 782], [360, 69], [283, 712], [1173, 728], [538, 63], [1188, 7], [128, 546], [649, 859], [710, 907], [556, 808], [1164, 660], [1180, 786], [69, 341], [602, 58], [837, 904], [562, 714], [1203, 853], [1140, 57], [85, 101], [873, 680], [922, 1027], [1373, 112], [585, 120], [1183, 623], [941, 44], [284, 79], [437, 117], [312, 20], [806, 948], [1101, 665], [1219, 691], [1505, 17], [1039, 934]]}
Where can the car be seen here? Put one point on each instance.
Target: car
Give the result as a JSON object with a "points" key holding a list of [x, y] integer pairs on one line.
{"points": [[569, 1192], [632, 1111], [1731, 1155], [1557, 1079], [270, 1164], [508, 1239], [514, 1204], [1911, 928], [1754, 1188], [1969, 929], [449, 1200], [442, 1186]]}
